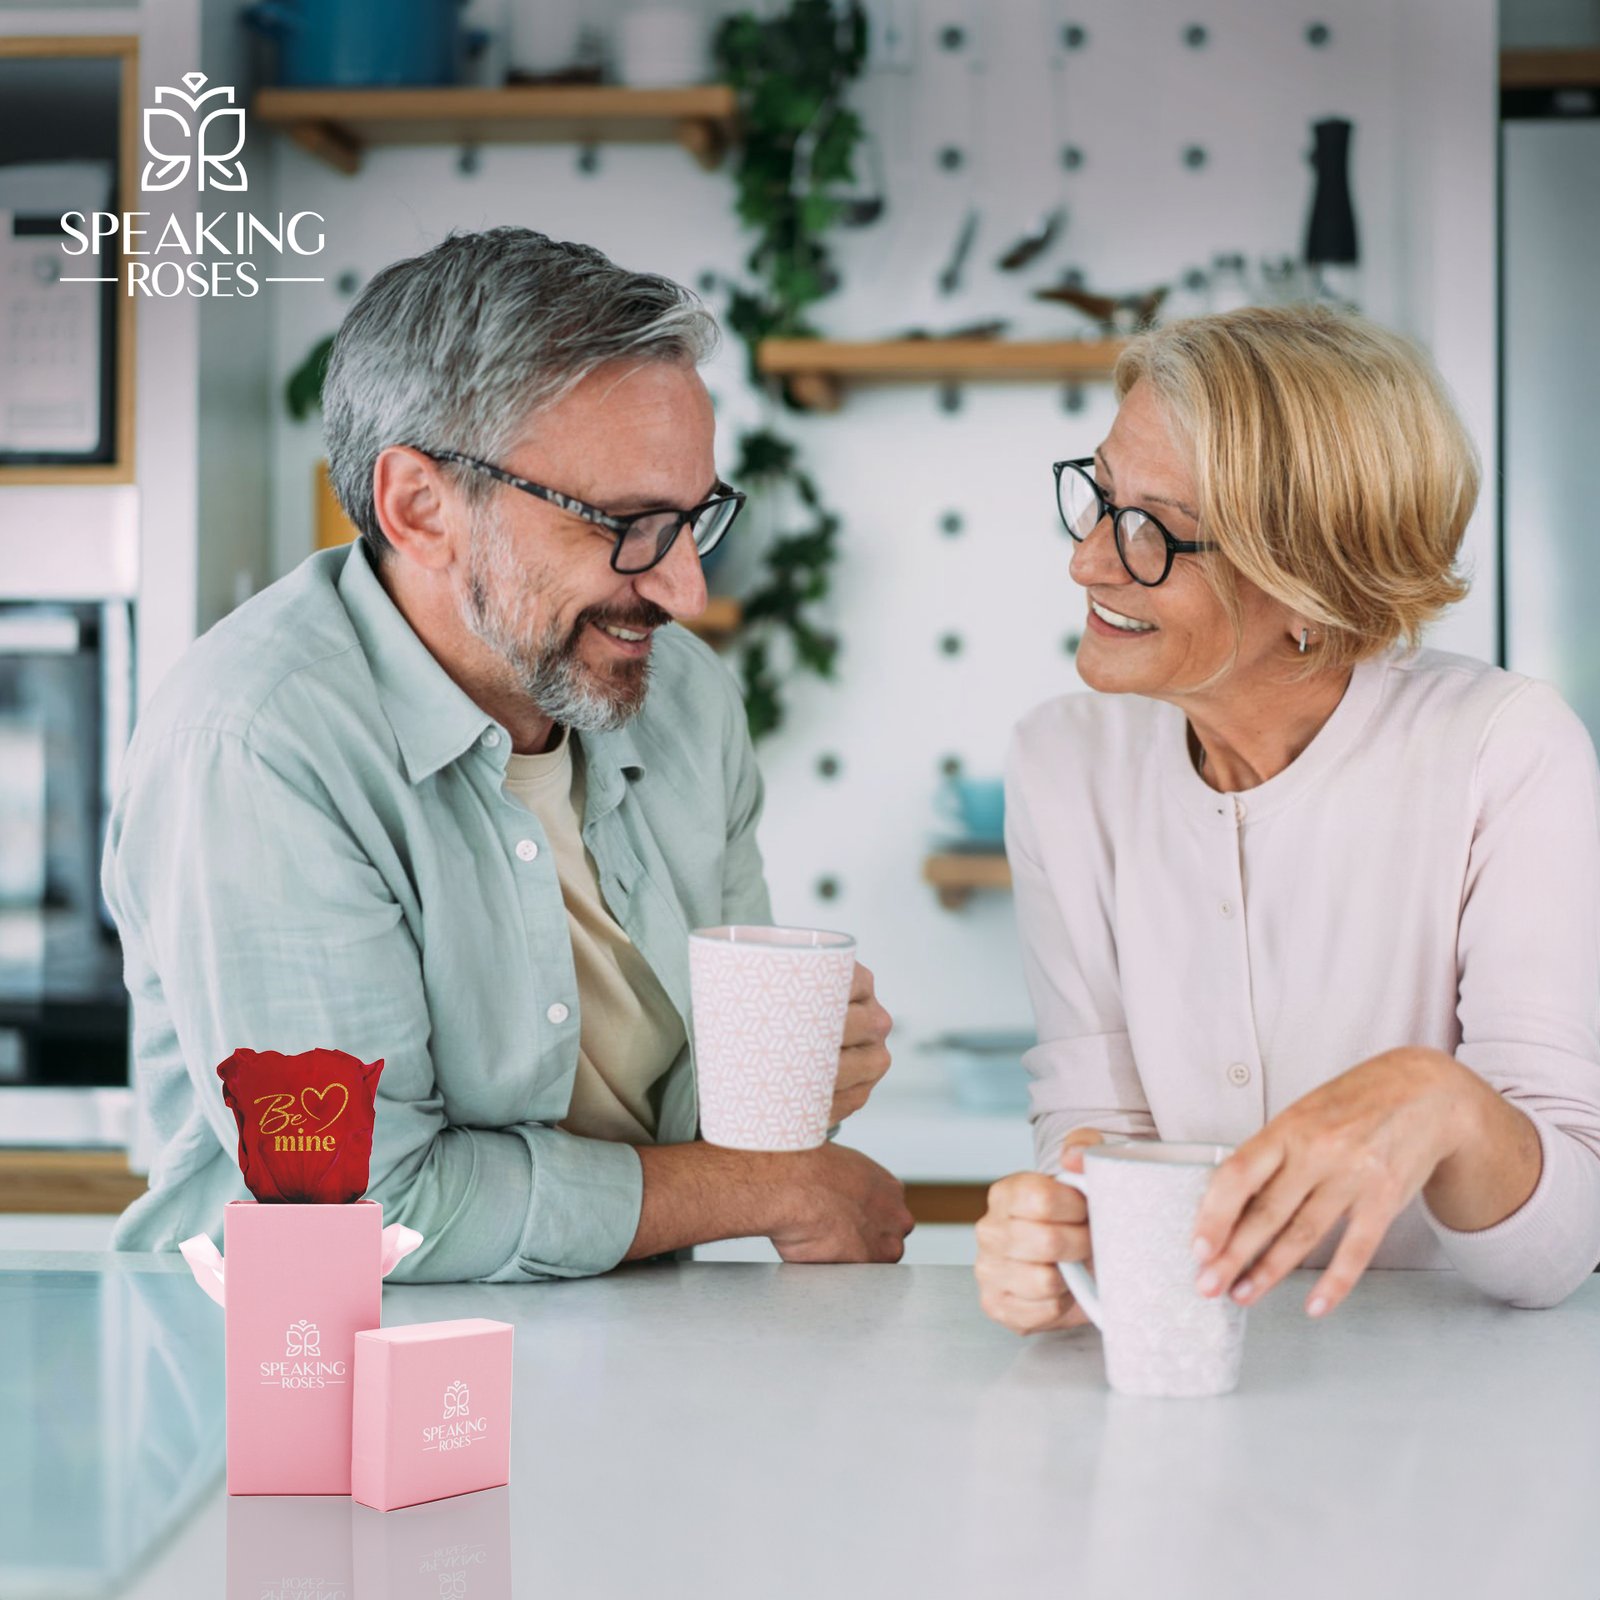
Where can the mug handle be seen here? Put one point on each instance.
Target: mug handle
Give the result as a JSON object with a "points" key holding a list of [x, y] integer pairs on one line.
{"points": [[1077, 1275]]}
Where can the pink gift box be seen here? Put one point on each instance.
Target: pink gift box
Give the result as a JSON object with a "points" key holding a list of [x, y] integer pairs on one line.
{"points": [[298, 1282], [432, 1411]]}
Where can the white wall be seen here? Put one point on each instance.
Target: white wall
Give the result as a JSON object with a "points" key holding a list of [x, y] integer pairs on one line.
{"points": [[1417, 79]]}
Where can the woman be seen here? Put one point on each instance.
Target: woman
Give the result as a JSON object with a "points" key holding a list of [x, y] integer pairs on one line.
{"points": [[1283, 883]]}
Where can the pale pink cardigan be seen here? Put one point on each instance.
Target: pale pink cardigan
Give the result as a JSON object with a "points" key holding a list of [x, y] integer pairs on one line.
{"points": [[1426, 872]]}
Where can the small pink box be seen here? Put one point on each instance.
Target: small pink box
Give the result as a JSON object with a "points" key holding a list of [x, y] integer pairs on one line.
{"points": [[297, 1282], [432, 1411]]}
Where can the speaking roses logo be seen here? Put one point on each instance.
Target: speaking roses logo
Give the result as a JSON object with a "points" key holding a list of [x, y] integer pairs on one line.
{"points": [[219, 256], [304, 1340], [458, 1428], [174, 127], [302, 1366]]}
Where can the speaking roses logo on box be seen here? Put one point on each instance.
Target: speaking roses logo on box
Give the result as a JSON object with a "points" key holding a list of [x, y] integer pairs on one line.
{"points": [[305, 1342], [209, 147], [458, 1429]]}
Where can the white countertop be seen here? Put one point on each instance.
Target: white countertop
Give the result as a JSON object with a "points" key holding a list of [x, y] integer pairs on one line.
{"points": [[778, 1432]]}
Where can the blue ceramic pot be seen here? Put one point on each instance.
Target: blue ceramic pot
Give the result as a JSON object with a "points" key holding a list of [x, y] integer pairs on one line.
{"points": [[364, 43], [978, 805]]}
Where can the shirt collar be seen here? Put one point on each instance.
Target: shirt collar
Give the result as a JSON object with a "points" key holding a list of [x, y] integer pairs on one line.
{"points": [[1333, 741], [435, 720], [608, 760], [433, 717]]}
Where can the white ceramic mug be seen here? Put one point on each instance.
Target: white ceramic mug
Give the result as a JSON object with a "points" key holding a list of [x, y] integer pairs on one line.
{"points": [[1162, 1336], [769, 1014]]}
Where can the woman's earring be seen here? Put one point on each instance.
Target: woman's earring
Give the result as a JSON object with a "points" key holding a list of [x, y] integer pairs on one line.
{"points": [[1303, 633]]}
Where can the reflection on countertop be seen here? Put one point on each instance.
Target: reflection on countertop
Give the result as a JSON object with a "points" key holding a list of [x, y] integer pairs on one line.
{"points": [[111, 1409]]}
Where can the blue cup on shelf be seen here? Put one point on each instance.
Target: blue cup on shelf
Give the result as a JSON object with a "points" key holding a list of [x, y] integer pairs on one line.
{"points": [[977, 806]]}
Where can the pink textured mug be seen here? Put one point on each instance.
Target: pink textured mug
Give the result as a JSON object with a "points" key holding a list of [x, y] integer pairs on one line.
{"points": [[769, 1014], [1162, 1336]]}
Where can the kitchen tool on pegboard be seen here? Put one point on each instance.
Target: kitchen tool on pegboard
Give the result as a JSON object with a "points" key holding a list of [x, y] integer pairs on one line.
{"points": [[960, 35], [1332, 251]]}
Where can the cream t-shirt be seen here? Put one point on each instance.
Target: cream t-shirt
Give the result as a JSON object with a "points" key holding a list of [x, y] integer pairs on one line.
{"points": [[628, 1034]]}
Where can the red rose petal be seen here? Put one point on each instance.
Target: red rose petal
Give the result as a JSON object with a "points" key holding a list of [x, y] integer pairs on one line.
{"points": [[305, 1123]]}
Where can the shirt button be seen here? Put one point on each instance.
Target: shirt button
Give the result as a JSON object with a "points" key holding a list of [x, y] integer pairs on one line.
{"points": [[1226, 908], [527, 849], [1238, 1074], [491, 739], [558, 1012], [1239, 810]]}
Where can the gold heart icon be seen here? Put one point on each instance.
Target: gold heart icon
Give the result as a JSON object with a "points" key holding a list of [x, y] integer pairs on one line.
{"points": [[321, 1095]]}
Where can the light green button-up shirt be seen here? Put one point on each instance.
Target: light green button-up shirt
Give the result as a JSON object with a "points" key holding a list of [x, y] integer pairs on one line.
{"points": [[311, 848]]}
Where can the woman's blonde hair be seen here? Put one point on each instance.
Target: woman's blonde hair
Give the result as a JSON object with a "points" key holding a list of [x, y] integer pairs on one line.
{"points": [[1330, 464]]}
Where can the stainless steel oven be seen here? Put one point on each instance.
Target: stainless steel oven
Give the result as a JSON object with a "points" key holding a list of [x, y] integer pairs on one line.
{"points": [[66, 672]]}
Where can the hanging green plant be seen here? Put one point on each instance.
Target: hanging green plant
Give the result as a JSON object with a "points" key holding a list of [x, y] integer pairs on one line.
{"points": [[303, 392], [797, 146]]}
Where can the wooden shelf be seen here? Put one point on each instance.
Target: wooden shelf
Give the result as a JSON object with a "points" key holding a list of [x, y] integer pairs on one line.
{"points": [[78, 1181], [339, 125], [1549, 69], [719, 621], [958, 877], [817, 369]]}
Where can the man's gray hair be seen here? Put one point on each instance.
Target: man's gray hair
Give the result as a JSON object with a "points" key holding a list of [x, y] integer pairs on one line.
{"points": [[460, 348]]}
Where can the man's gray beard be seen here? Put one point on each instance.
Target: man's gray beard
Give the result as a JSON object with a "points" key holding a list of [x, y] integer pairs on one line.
{"points": [[548, 670]]}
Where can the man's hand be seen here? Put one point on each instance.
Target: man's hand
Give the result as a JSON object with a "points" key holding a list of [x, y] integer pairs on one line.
{"points": [[827, 1204], [864, 1058], [841, 1207]]}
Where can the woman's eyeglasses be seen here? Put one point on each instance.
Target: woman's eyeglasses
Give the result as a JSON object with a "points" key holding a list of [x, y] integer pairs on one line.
{"points": [[1145, 546]]}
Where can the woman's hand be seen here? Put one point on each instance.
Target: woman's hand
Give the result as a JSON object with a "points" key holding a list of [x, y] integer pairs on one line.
{"points": [[1032, 1223], [1361, 1147]]}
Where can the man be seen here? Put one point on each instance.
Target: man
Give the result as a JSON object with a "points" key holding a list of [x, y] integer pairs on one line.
{"points": [[414, 801]]}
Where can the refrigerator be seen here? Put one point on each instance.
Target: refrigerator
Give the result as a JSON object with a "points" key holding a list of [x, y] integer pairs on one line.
{"points": [[1550, 366]]}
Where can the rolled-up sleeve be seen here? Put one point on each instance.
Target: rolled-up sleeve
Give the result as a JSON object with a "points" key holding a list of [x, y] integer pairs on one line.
{"points": [[271, 929], [1083, 1070], [1529, 975]]}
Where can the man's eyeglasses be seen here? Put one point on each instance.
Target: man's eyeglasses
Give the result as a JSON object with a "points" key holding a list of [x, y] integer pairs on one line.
{"points": [[642, 539], [1145, 546]]}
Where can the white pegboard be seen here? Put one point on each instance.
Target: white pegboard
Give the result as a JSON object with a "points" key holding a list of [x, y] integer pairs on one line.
{"points": [[1132, 97]]}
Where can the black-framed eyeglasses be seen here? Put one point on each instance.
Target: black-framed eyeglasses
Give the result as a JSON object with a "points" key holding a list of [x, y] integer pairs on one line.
{"points": [[641, 539], [1145, 546]]}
